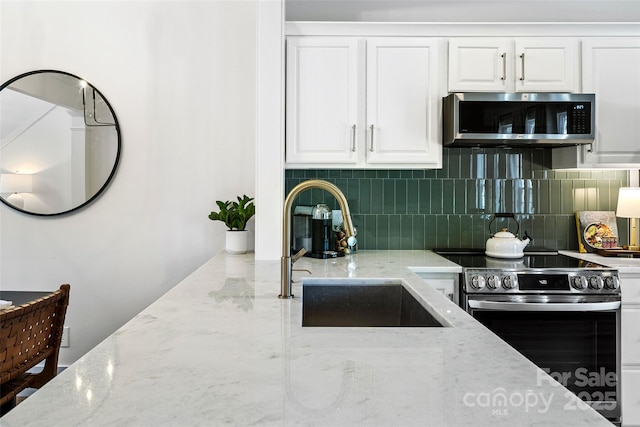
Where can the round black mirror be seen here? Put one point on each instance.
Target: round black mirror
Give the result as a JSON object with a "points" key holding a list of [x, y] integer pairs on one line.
{"points": [[59, 143]]}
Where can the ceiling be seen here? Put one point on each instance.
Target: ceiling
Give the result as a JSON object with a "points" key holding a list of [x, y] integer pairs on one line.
{"points": [[464, 10]]}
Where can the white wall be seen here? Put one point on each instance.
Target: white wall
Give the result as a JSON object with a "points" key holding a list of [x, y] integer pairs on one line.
{"points": [[180, 76], [270, 130]]}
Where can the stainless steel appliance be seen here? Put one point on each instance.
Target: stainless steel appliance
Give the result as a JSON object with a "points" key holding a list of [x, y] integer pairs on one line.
{"points": [[301, 228], [518, 119], [560, 312]]}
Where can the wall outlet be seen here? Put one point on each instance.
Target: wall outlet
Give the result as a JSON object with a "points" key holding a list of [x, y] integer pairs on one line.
{"points": [[65, 337]]}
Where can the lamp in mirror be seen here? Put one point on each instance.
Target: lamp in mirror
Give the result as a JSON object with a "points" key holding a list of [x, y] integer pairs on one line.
{"points": [[13, 184], [629, 207]]}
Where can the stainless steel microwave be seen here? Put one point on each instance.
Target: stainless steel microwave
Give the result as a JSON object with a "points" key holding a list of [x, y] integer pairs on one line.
{"points": [[518, 119]]}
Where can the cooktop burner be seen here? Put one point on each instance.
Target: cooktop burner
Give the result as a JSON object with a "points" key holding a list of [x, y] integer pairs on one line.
{"points": [[469, 258]]}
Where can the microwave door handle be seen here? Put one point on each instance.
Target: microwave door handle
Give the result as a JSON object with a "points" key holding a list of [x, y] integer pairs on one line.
{"points": [[544, 307]]}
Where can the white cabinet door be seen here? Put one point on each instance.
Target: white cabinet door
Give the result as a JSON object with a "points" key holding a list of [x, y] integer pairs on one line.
{"points": [[480, 64], [544, 65], [495, 64], [630, 335], [630, 398], [611, 70], [364, 102], [446, 283], [322, 99], [403, 101]]}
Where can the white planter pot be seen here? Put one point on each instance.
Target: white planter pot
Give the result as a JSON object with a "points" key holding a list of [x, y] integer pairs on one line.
{"points": [[236, 242]]}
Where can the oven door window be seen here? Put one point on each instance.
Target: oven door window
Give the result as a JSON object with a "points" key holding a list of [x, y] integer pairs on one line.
{"points": [[578, 349]]}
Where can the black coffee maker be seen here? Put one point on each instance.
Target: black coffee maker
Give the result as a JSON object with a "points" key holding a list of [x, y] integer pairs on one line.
{"points": [[313, 231], [320, 231]]}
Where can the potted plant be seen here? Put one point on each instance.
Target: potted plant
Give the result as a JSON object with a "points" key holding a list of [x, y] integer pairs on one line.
{"points": [[235, 216]]}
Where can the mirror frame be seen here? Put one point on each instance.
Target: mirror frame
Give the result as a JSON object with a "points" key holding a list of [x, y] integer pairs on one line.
{"points": [[116, 162]]}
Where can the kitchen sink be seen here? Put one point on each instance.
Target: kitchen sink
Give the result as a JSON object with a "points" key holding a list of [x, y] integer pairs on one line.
{"points": [[362, 303]]}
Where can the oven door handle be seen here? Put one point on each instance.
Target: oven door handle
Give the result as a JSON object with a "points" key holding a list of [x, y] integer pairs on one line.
{"points": [[546, 306]]}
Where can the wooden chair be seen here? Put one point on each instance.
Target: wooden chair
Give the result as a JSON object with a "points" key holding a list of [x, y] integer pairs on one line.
{"points": [[30, 334]]}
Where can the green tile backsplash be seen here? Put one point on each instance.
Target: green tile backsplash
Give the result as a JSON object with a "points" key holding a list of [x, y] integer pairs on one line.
{"points": [[452, 206]]}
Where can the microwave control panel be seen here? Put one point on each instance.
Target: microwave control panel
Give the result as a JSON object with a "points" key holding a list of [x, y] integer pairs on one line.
{"points": [[579, 122]]}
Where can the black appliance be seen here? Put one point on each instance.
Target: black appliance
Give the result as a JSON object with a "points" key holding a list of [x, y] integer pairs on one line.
{"points": [[313, 231], [560, 312], [320, 230]]}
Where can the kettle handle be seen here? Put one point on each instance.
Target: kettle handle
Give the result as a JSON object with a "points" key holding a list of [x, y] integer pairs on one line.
{"points": [[504, 215]]}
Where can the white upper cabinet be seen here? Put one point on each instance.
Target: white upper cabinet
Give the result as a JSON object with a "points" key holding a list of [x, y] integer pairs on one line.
{"points": [[611, 70], [364, 102], [403, 102], [495, 64], [547, 65], [322, 98], [480, 64]]}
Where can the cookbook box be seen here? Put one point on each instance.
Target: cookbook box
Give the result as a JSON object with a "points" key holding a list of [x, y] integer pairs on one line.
{"points": [[597, 230]]}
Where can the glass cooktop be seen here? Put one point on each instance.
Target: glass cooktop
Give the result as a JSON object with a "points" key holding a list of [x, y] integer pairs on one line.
{"points": [[538, 260]]}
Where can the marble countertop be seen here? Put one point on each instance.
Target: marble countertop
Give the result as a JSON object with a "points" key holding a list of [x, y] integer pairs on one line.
{"points": [[221, 348], [624, 264]]}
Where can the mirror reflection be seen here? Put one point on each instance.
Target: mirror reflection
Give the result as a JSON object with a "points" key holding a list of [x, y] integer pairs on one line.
{"points": [[59, 142]]}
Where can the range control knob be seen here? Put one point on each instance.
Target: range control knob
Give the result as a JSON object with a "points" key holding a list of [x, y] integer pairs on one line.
{"points": [[595, 282], [477, 282], [508, 282], [493, 282], [611, 282], [579, 282]]}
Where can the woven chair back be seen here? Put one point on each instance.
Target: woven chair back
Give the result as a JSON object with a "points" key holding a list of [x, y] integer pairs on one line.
{"points": [[29, 334]]}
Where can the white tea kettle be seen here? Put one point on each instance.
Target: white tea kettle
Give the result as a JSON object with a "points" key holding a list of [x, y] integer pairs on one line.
{"points": [[505, 244]]}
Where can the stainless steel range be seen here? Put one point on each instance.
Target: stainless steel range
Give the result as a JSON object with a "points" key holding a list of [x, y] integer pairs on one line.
{"points": [[560, 312]]}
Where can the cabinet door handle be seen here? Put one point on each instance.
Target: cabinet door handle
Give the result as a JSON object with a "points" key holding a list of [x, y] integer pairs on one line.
{"points": [[522, 63], [353, 138], [371, 146], [504, 66]]}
